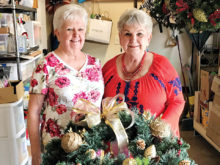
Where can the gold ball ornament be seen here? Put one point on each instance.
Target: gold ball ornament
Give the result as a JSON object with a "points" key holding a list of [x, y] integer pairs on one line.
{"points": [[141, 144], [92, 153], [71, 141], [150, 152], [184, 162], [129, 161], [160, 128], [199, 15], [78, 164]]}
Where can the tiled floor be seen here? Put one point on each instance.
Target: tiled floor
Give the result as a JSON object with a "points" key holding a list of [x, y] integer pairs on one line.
{"points": [[201, 151]]}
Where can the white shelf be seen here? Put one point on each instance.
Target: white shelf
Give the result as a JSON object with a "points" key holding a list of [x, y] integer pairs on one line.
{"points": [[13, 143], [23, 130], [27, 66], [25, 161]]}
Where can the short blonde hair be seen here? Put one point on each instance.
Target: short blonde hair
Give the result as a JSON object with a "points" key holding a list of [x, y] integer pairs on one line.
{"points": [[69, 12], [135, 16]]}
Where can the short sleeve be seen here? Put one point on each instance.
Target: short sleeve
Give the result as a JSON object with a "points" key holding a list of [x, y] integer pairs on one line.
{"points": [[39, 79]]}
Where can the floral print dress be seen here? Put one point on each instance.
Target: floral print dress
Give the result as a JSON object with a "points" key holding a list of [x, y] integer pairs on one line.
{"points": [[62, 85]]}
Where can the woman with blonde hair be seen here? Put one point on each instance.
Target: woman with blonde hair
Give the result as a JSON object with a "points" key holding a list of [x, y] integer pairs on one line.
{"points": [[60, 78]]}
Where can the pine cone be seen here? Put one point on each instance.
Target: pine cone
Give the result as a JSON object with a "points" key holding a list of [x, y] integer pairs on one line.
{"points": [[156, 140], [141, 144]]}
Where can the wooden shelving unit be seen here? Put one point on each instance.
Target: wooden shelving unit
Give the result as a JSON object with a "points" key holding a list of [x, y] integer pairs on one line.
{"points": [[196, 122]]}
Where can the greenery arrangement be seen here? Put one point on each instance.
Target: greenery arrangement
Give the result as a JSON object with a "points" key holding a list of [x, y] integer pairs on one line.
{"points": [[194, 15], [150, 142]]}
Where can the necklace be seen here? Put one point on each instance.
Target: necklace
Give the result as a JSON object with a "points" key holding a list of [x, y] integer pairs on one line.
{"points": [[131, 75]]}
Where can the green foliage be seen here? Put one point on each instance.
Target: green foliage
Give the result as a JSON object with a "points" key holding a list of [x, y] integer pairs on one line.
{"points": [[181, 14], [96, 138]]}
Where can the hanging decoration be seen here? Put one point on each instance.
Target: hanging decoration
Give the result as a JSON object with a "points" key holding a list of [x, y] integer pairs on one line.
{"points": [[195, 16], [52, 5]]}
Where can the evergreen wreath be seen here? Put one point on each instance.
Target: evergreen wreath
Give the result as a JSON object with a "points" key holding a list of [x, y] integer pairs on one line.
{"points": [[169, 150], [194, 15]]}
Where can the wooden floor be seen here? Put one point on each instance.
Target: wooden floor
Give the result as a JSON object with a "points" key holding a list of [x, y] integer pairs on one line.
{"points": [[201, 151]]}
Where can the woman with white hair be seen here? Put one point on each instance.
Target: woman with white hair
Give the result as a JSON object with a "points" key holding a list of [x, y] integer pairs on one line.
{"points": [[60, 78], [148, 80]]}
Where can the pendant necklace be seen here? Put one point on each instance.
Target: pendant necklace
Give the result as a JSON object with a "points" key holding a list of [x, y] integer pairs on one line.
{"points": [[131, 75]]}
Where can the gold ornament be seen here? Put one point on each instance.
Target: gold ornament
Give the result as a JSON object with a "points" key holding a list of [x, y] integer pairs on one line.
{"points": [[129, 161], [171, 41], [78, 164], [150, 152], [71, 141], [200, 15], [92, 153], [184, 162], [147, 115], [160, 128], [141, 144], [192, 30]]}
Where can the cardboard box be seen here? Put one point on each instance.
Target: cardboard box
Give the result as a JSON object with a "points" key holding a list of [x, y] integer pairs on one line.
{"points": [[213, 129], [216, 85], [205, 86], [216, 101], [4, 30], [35, 4], [12, 93]]}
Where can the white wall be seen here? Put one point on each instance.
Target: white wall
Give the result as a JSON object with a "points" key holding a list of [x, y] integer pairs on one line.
{"points": [[41, 17], [106, 52]]}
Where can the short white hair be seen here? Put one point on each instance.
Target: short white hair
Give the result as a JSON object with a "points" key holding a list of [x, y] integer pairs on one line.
{"points": [[69, 12], [135, 16]]}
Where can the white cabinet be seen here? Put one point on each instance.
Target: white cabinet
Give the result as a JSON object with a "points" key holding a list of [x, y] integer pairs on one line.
{"points": [[13, 145]]}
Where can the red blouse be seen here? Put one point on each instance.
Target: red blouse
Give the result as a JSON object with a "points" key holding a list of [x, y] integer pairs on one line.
{"points": [[159, 91]]}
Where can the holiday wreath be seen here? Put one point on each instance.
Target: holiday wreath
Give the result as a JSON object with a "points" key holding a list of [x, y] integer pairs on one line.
{"points": [[150, 141], [194, 15]]}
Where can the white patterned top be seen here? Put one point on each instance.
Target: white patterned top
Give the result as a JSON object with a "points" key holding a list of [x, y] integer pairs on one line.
{"points": [[62, 85]]}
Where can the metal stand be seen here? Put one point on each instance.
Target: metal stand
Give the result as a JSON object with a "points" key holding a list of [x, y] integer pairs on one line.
{"points": [[16, 40]]}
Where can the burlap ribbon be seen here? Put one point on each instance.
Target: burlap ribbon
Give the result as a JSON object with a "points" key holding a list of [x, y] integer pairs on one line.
{"points": [[110, 109]]}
